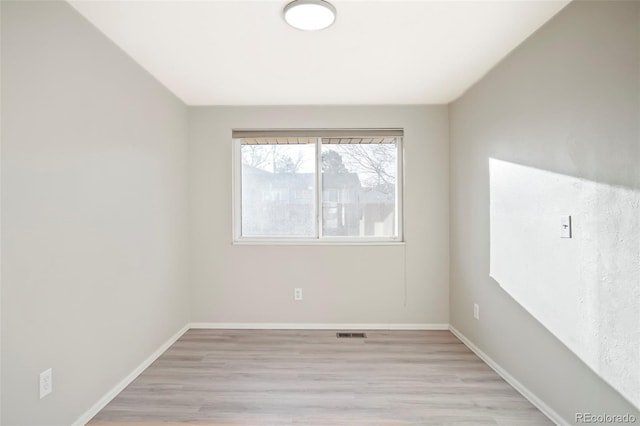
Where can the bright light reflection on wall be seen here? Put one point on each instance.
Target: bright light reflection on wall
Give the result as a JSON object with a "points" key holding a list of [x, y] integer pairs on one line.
{"points": [[585, 290]]}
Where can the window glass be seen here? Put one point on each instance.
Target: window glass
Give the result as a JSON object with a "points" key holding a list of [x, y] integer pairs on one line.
{"points": [[278, 190], [318, 188], [359, 189]]}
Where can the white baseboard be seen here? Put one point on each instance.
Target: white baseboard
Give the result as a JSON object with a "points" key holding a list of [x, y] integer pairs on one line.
{"points": [[102, 402], [314, 326], [539, 404]]}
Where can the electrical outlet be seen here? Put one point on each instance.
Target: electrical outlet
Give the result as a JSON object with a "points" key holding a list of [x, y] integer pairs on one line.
{"points": [[46, 383], [476, 311], [297, 294]]}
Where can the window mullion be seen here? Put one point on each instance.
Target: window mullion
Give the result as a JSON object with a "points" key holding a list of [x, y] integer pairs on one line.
{"points": [[399, 188], [319, 188]]}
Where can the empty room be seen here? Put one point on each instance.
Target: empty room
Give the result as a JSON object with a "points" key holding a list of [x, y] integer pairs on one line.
{"points": [[308, 212]]}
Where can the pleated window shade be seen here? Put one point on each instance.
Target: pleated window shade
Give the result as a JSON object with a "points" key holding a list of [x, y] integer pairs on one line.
{"points": [[307, 136]]}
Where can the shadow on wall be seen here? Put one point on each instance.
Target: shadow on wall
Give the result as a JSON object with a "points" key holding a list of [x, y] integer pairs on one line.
{"points": [[584, 289]]}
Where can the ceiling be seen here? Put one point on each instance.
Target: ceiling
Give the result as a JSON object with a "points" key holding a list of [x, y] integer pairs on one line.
{"points": [[377, 52]]}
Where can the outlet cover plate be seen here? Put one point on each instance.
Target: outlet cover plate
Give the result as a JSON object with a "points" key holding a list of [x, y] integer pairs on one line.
{"points": [[46, 383]]}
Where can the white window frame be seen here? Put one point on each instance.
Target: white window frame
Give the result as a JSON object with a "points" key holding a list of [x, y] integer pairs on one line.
{"points": [[318, 238]]}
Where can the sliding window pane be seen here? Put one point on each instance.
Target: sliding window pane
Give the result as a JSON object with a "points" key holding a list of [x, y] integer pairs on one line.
{"points": [[359, 187], [278, 190]]}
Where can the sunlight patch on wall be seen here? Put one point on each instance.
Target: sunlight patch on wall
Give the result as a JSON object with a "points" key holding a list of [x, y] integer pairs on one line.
{"points": [[585, 289]]}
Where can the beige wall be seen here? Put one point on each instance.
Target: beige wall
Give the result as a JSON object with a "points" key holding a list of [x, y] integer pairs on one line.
{"points": [[94, 249], [341, 284], [566, 106]]}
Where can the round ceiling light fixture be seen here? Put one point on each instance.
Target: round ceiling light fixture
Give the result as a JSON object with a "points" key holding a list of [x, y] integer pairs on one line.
{"points": [[310, 15]]}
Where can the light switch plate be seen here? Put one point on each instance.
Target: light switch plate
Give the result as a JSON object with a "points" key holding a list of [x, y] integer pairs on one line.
{"points": [[565, 226]]}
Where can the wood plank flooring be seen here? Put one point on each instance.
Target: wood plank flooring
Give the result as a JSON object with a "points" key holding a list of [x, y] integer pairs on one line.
{"points": [[293, 377]]}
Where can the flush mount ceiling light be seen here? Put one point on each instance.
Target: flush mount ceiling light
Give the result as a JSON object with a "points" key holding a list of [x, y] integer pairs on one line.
{"points": [[310, 15]]}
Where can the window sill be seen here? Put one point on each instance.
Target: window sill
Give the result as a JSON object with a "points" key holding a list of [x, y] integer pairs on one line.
{"points": [[288, 242]]}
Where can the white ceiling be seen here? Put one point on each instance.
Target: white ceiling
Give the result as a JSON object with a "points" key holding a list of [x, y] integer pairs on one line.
{"points": [[377, 52]]}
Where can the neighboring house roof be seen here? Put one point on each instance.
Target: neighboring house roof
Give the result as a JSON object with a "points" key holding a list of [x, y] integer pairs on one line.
{"points": [[341, 180], [381, 194], [302, 180], [293, 180], [254, 171]]}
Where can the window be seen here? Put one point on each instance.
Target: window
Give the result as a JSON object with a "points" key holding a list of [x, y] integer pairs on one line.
{"points": [[318, 185]]}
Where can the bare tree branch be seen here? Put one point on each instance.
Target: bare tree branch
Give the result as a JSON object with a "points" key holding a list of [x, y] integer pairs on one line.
{"points": [[375, 161]]}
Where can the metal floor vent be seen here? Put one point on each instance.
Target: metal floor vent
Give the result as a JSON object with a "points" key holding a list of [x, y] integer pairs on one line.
{"points": [[351, 335]]}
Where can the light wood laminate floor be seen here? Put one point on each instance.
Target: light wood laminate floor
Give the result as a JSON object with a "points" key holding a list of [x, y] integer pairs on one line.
{"points": [[269, 377]]}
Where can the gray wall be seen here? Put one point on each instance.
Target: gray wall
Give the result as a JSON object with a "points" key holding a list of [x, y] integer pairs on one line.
{"points": [[341, 284], [566, 101], [94, 195], [94, 158]]}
